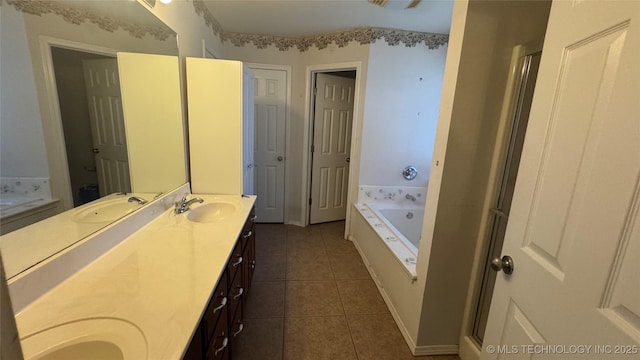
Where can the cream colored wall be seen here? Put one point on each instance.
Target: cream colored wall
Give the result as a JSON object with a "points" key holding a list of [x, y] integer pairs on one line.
{"points": [[297, 142], [471, 112], [22, 150]]}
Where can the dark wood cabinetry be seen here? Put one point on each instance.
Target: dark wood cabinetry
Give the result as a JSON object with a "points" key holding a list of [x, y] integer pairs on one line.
{"points": [[216, 336]]}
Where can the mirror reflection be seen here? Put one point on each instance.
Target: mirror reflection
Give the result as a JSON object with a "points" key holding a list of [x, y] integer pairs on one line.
{"points": [[63, 133]]}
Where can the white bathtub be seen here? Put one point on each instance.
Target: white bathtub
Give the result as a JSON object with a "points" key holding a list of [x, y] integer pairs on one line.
{"points": [[399, 227]]}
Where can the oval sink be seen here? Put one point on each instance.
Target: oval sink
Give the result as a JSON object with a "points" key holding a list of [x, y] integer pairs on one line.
{"points": [[96, 339], [105, 211], [212, 212]]}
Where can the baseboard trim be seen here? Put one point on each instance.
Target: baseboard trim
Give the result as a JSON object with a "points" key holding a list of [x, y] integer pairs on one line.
{"points": [[436, 350], [468, 349]]}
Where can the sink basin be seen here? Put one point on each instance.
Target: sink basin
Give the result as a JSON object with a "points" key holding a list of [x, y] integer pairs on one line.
{"points": [[105, 211], [96, 339], [213, 212]]}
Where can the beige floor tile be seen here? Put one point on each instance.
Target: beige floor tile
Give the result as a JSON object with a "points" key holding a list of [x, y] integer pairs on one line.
{"points": [[308, 266], [312, 298], [261, 339], [270, 242], [305, 244], [376, 337], [361, 297], [339, 246], [348, 266], [332, 229], [270, 268], [266, 300], [318, 338]]}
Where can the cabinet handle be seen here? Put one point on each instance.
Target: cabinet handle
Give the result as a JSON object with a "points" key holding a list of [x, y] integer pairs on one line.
{"points": [[238, 294], [254, 217], [223, 302], [248, 234], [224, 345], [240, 328], [237, 262]]}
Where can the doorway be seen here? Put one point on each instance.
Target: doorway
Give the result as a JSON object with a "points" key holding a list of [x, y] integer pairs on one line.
{"points": [[93, 127], [332, 108], [499, 213]]}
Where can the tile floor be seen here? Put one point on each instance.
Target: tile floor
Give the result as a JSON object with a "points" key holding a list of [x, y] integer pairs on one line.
{"points": [[312, 298]]}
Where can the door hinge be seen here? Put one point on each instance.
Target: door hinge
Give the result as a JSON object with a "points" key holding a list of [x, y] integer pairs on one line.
{"points": [[313, 148], [315, 91], [309, 201]]}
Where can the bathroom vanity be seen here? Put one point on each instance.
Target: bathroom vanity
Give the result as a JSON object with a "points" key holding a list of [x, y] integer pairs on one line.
{"points": [[173, 288]]}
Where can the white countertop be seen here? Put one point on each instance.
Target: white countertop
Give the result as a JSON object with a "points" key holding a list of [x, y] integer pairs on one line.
{"points": [[27, 246], [159, 279]]}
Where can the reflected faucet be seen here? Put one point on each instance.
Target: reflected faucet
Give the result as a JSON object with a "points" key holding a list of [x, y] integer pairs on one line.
{"points": [[137, 199], [410, 197], [183, 205]]}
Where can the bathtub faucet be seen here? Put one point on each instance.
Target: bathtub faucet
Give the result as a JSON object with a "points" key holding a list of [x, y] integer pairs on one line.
{"points": [[410, 197]]}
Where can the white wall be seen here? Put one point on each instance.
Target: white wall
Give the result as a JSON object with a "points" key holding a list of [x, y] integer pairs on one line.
{"points": [[475, 86], [299, 61], [22, 151], [401, 111]]}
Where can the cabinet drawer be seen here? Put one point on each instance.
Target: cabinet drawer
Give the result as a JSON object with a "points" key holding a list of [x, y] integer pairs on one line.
{"points": [[217, 307], [236, 293], [219, 344], [248, 229], [235, 261], [236, 327], [194, 352]]}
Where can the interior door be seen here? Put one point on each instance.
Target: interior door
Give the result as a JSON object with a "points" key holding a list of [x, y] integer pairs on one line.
{"points": [[573, 233], [107, 125], [270, 118], [331, 147]]}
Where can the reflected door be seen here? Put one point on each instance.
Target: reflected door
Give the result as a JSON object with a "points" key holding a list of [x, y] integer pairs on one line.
{"points": [[331, 147], [107, 125], [574, 226]]}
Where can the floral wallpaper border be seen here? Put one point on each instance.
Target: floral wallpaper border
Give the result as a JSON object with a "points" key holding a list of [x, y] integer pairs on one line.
{"points": [[363, 36], [78, 16]]}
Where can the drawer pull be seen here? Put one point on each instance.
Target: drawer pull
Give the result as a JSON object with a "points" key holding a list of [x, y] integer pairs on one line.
{"points": [[247, 235], [240, 292], [240, 328], [223, 302], [237, 262], [254, 217], [224, 345]]}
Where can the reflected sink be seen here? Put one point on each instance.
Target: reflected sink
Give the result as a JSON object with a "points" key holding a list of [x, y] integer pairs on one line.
{"points": [[213, 211], [105, 211], [96, 339]]}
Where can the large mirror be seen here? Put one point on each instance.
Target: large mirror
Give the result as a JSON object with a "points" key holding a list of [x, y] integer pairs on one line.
{"points": [[55, 123]]}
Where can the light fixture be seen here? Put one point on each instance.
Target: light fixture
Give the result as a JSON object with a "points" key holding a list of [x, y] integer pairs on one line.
{"points": [[165, 1]]}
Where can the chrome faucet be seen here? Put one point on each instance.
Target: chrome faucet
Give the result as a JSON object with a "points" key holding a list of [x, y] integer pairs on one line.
{"points": [[410, 197], [137, 199], [183, 205]]}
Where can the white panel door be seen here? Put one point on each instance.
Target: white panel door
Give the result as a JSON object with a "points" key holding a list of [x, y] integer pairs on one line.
{"points": [[331, 147], [248, 135], [107, 125], [270, 117], [574, 229]]}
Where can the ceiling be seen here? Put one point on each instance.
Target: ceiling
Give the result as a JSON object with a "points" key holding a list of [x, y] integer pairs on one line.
{"points": [[309, 17]]}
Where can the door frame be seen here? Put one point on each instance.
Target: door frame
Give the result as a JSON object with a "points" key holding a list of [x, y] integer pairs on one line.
{"points": [[287, 129], [356, 135], [59, 178]]}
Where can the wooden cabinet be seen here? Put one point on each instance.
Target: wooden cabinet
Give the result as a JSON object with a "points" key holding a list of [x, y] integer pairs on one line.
{"points": [[217, 333]]}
